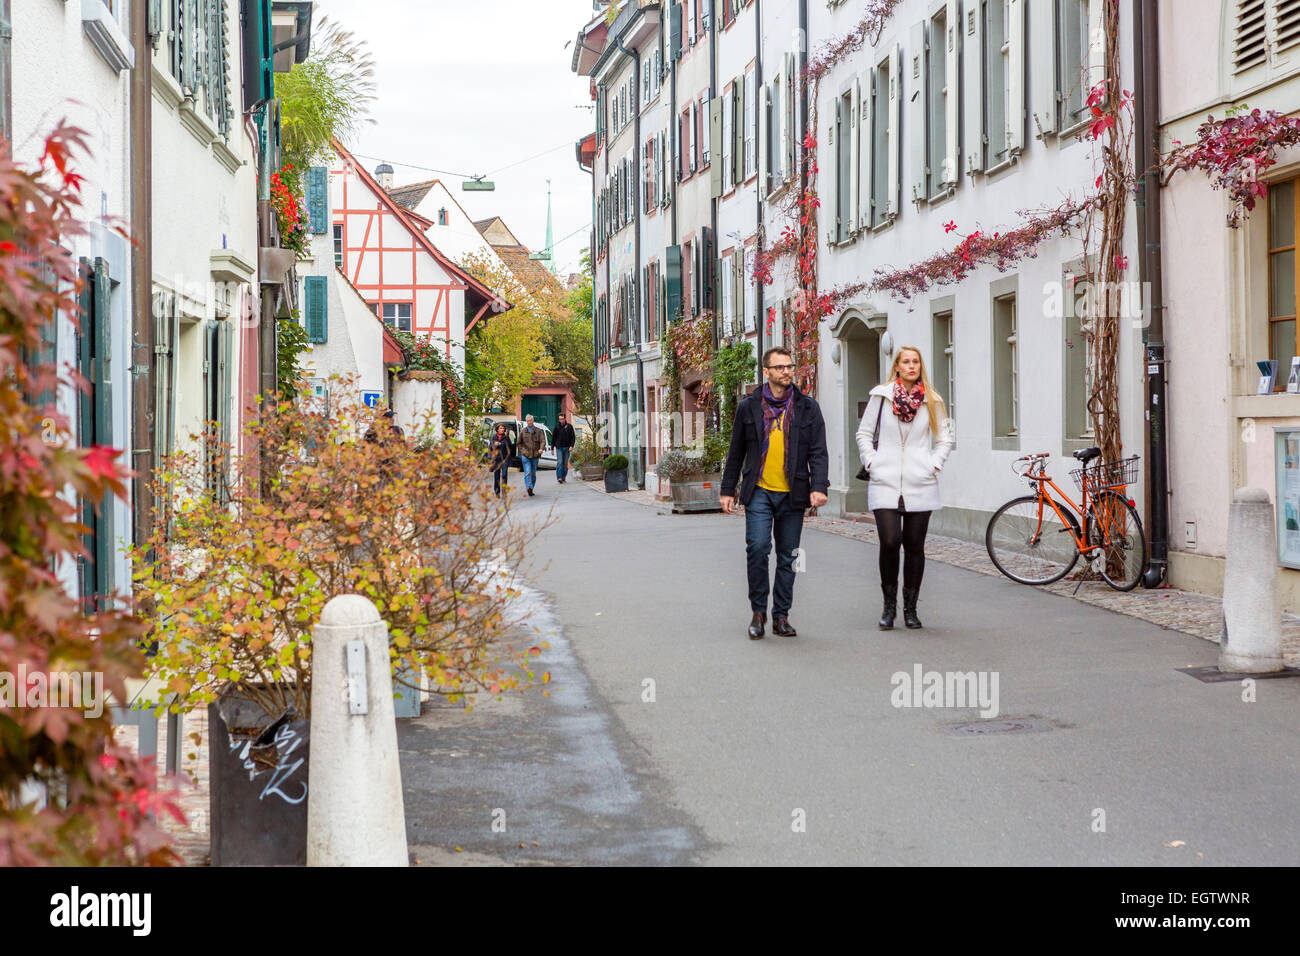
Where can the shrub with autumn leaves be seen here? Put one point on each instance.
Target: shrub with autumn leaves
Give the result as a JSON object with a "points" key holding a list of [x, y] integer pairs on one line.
{"points": [[68, 795], [246, 570]]}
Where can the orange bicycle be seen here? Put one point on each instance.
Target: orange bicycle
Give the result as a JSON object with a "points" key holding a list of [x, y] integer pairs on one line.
{"points": [[1037, 539]]}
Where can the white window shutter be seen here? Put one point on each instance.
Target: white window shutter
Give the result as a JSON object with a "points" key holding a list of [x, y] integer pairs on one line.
{"points": [[918, 98], [761, 144], [1096, 45], [865, 86], [895, 127], [1043, 42], [854, 129], [830, 203], [1016, 64], [952, 102], [972, 38]]}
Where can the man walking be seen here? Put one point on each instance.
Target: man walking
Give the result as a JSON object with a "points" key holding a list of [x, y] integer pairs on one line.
{"points": [[564, 440], [780, 438], [532, 441]]}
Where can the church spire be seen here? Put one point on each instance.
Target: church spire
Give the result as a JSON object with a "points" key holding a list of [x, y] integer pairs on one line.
{"points": [[550, 235]]}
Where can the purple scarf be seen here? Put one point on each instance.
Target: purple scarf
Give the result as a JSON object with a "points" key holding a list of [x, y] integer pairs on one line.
{"points": [[774, 408], [907, 403]]}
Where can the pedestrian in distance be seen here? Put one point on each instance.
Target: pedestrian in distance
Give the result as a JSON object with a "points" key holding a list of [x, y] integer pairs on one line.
{"points": [[532, 442], [564, 440], [778, 459], [501, 451], [386, 431], [903, 441]]}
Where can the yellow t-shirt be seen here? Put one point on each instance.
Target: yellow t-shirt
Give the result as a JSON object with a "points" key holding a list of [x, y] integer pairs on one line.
{"points": [[773, 474]]}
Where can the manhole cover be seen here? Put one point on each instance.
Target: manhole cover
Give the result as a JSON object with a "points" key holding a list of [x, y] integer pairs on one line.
{"points": [[1007, 725], [1212, 674]]}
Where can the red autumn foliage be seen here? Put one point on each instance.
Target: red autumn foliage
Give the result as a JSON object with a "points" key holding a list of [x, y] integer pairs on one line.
{"points": [[68, 795]]}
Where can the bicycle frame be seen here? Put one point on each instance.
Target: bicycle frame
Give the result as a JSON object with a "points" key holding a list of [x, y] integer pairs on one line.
{"points": [[1080, 540]]}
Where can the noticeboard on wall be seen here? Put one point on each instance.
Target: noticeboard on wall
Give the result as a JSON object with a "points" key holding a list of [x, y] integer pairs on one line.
{"points": [[1286, 455]]}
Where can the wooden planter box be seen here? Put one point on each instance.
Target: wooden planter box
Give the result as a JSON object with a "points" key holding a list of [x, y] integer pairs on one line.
{"points": [[591, 472], [698, 494]]}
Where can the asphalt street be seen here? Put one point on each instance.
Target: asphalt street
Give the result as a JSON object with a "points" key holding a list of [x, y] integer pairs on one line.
{"points": [[670, 738]]}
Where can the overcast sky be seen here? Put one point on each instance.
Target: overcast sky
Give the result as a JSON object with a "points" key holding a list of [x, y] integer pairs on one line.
{"points": [[473, 87]]}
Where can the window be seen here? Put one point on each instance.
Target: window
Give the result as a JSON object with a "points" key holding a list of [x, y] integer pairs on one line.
{"points": [[396, 315], [996, 76], [199, 51], [775, 152], [1072, 62], [751, 157], [727, 120], [938, 94], [1282, 310], [700, 140], [845, 125], [944, 376], [338, 245], [1077, 360], [728, 289], [1006, 383], [688, 280], [442, 217], [880, 145]]}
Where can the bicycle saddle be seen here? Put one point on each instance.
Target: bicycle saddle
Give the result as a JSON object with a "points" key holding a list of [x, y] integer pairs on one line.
{"points": [[1087, 454]]}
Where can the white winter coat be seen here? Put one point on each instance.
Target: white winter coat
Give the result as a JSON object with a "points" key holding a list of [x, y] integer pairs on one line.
{"points": [[908, 467]]}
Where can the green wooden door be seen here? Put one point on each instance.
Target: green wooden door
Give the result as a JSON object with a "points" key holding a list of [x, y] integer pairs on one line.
{"points": [[545, 409]]}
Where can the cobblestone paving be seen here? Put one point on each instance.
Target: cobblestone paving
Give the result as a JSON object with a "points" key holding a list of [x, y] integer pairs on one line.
{"points": [[1200, 615], [190, 840]]}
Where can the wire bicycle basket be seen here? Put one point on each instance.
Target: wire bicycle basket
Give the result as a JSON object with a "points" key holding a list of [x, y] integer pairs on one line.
{"points": [[1115, 474]]}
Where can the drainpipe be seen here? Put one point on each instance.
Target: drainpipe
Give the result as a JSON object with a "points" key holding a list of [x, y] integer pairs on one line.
{"points": [[636, 237], [759, 320], [143, 359], [1150, 227], [6, 72], [713, 201]]}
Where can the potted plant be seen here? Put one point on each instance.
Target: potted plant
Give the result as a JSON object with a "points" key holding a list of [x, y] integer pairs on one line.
{"points": [[591, 464], [695, 482], [616, 473], [237, 575]]}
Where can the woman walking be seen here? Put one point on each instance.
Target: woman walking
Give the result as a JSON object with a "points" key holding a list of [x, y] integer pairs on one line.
{"points": [[903, 441], [502, 450]]}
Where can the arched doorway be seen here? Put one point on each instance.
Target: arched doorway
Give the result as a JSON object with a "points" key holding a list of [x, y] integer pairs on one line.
{"points": [[857, 335]]}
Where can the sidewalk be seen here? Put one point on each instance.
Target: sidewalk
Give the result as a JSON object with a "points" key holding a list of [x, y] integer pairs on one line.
{"points": [[1200, 615]]}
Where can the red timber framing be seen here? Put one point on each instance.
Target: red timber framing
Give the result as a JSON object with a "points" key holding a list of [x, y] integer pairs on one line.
{"points": [[388, 258]]}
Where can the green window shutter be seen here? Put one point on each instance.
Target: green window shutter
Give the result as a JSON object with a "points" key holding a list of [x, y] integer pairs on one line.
{"points": [[218, 66], [675, 30], [155, 21], [673, 278], [316, 293], [708, 288], [318, 198], [259, 79], [189, 40], [715, 146], [175, 36], [102, 383]]}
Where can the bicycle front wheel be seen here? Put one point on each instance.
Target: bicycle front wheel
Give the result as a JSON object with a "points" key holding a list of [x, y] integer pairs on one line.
{"points": [[1114, 524], [1029, 543]]}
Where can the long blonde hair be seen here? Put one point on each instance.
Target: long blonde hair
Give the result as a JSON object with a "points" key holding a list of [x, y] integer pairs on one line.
{"points": [[933, 401]]}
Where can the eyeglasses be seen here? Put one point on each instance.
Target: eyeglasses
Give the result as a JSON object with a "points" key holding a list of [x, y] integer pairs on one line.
{"points": [[779, 368]]}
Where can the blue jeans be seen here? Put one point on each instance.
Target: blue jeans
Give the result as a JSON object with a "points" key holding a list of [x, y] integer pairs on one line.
{"points": [[562, 463], [530, 471], [769, 515]]}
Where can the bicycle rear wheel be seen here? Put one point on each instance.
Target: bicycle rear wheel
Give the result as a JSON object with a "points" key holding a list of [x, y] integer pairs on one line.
{"points": [[1114, 524], [1028, 542]]}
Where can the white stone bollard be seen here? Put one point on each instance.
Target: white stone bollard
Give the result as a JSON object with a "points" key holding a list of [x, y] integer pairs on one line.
{"points": [[355, 813], [1252, 612]]}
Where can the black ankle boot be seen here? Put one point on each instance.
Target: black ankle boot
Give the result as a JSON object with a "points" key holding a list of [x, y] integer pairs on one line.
{"points": [[909, 607], [891, 606]]}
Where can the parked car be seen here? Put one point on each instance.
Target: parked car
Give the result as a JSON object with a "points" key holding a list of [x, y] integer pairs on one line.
{"points": [[548, 453]]}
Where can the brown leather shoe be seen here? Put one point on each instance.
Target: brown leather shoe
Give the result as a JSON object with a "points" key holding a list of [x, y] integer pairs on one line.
{"points": [[781, 625], [756, 627]]}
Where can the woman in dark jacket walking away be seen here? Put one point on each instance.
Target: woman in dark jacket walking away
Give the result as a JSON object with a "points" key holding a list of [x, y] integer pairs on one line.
{"points": [[502, 450]]}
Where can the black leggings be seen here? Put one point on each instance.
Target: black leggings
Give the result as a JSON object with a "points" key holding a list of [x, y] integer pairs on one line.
{"points": [[906, 529]]}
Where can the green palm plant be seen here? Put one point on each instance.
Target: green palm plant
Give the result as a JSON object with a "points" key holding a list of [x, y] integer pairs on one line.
{"points": [[326, 97]]}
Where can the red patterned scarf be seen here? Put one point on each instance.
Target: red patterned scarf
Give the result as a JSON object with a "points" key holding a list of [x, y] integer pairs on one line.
{"points": [[907, 403]]}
